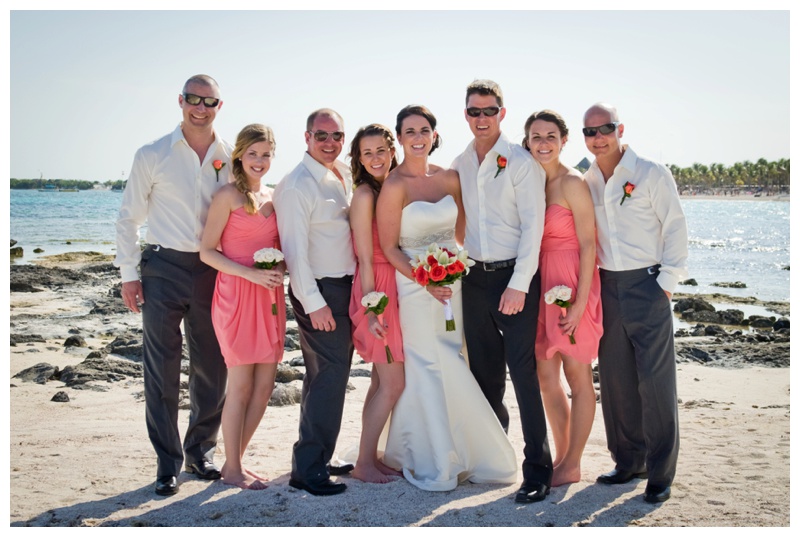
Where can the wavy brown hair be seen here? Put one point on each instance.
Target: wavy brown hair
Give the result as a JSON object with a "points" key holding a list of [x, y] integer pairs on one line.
{"points": [[251, 134], [360, 174]]}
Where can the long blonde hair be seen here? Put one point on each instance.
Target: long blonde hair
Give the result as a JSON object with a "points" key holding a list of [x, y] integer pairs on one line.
{"points": [[251, 134]]}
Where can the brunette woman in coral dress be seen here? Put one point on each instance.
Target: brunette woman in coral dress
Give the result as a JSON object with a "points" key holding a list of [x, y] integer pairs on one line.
{"points": [[372, 156], [241, 220], [567, 258]]}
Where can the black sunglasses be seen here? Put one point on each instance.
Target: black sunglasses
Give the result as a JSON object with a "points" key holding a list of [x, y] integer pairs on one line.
{"points": [[608, 128], [321, 136], [489, 111], [194, 100]]}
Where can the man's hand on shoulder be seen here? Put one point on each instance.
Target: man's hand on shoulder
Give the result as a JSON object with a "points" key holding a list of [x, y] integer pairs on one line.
{"points": [[512, 301], [322, 319], [132, 295]]}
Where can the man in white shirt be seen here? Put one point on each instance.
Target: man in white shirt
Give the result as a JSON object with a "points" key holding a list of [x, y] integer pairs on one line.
{"points": [[170, 187], [642, 249], [502, 189], [312, 204]]}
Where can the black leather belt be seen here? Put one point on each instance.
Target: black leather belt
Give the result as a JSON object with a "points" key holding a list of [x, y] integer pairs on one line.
{"points": [[496, 265]]}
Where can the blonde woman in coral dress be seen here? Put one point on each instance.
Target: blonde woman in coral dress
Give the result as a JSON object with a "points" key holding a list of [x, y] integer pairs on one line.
{"points": [[567, 258], [241, 220]]}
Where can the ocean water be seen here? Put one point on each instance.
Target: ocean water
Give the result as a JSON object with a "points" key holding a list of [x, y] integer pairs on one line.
{"points": [[729, 241]]}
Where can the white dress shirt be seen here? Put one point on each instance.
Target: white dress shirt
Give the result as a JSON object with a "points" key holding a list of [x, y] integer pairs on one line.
{"points": [[505, 214], [313, 209], [649, 228], [171, 189]]}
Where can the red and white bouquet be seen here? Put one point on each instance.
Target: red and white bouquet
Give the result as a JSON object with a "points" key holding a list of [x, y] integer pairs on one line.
{"points": [[560, 295], [440, 266], [376, 302], [268, 258]]}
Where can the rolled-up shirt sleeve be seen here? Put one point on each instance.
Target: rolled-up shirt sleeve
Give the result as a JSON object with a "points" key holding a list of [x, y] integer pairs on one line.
{"points": [[529, 186], [132, 214], [293, 211]]}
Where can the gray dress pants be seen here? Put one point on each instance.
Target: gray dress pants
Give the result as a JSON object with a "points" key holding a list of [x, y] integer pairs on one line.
{"points": [[178, 287], [638, 389]]}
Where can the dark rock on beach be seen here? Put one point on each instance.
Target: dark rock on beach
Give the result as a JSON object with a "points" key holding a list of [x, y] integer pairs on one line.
{"points": [[39, 373], [25, 338], [728, 317], [692, 303], [105, 369], [690, 281], [60, 397], [74, 341], [730, 285]]}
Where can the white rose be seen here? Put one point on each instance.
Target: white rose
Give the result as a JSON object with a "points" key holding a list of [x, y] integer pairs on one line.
{"points": [[372, 299], [550, 296]]}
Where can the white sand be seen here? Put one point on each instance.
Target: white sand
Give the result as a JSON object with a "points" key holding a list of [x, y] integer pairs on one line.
{"points": [[89, 463]]}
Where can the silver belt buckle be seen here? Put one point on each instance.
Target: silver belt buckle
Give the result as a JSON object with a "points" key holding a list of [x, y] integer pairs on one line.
{"points": [[652, 270]]}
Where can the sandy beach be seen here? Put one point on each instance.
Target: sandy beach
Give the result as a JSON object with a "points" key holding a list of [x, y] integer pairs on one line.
{"points": [[88, 462]]}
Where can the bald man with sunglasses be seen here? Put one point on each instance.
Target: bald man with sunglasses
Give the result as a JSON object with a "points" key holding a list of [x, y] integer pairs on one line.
{"points": [[642, 251], [312, 204], [503, 193], [170, 187]]}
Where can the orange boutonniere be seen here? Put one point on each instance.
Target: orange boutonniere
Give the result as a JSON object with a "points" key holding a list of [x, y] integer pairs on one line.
{"points": [[218, 165], [628, 188], [501, 164]]}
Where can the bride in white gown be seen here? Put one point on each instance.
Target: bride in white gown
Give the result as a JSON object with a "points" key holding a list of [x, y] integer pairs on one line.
{"points": [[442, 429]]}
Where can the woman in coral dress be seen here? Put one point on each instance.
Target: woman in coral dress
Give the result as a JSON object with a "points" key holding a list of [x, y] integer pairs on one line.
{"points": [[372, 156], [241, 220], [567, 258]]}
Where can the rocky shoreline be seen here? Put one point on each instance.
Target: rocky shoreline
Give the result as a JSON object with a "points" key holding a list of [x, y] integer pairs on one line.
{"points": [[86, 288]]}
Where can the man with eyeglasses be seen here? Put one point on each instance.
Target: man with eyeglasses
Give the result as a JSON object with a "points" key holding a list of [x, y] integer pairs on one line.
{"points": [[503, 194], [642, 251], [170, 187], [312, 204]]}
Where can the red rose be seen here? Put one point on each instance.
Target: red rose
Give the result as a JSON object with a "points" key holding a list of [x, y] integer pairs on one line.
{"points": [[502, 161], [218, 164], [455, 267], [421, 276], [432, 260], [438, 273]]}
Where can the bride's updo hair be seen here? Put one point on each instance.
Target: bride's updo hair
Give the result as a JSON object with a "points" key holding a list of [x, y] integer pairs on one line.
{"points": [[418, 110], [360, 174], [251, 134], [545, 115]]}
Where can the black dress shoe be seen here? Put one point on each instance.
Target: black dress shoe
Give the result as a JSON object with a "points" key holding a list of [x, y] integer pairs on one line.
{"points": [[532, 492], [340, 470], [653, 494], [167, 485], [204, 470], [326, 487], [620, 477]]}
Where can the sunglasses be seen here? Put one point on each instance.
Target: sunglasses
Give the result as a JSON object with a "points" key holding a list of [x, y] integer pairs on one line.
{"points": [[489, 111], [321, 136], [194, 100], [608, 128]]}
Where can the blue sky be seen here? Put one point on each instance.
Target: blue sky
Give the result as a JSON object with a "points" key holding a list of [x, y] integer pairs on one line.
{"points": [[89, 87]]}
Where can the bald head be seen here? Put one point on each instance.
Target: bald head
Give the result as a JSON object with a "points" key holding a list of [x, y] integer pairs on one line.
{"points": [[602, 108]]}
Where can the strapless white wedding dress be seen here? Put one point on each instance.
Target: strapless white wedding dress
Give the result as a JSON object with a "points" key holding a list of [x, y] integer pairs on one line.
{"points": [[442, 430]]}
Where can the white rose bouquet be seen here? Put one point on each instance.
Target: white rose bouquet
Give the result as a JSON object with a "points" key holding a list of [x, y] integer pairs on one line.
{"points": [[376, 302], [268, 258], [560, 296]]}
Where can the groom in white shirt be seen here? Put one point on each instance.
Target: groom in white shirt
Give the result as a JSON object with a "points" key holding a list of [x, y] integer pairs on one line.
{"points": [[502, 189], [642, 249], [312, 204]]}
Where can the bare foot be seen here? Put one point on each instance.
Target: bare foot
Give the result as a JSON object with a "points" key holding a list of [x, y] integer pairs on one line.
{"points": [[244, 481], [387, 470], [369, 474], [252, 473], [563, 475]]}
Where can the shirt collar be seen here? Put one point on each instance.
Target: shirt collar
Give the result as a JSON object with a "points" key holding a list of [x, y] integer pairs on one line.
{"points": [[501, 147], [177, 136], [318, 171], [627, 162]]}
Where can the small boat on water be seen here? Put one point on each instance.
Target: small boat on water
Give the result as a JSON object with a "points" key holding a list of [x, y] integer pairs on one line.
{"points": [[49, 188]]}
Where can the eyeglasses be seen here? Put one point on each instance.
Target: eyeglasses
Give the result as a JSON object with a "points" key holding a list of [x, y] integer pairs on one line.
{"points": [[489, 111], [608, 128], [321, 136], [194, 100]]}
